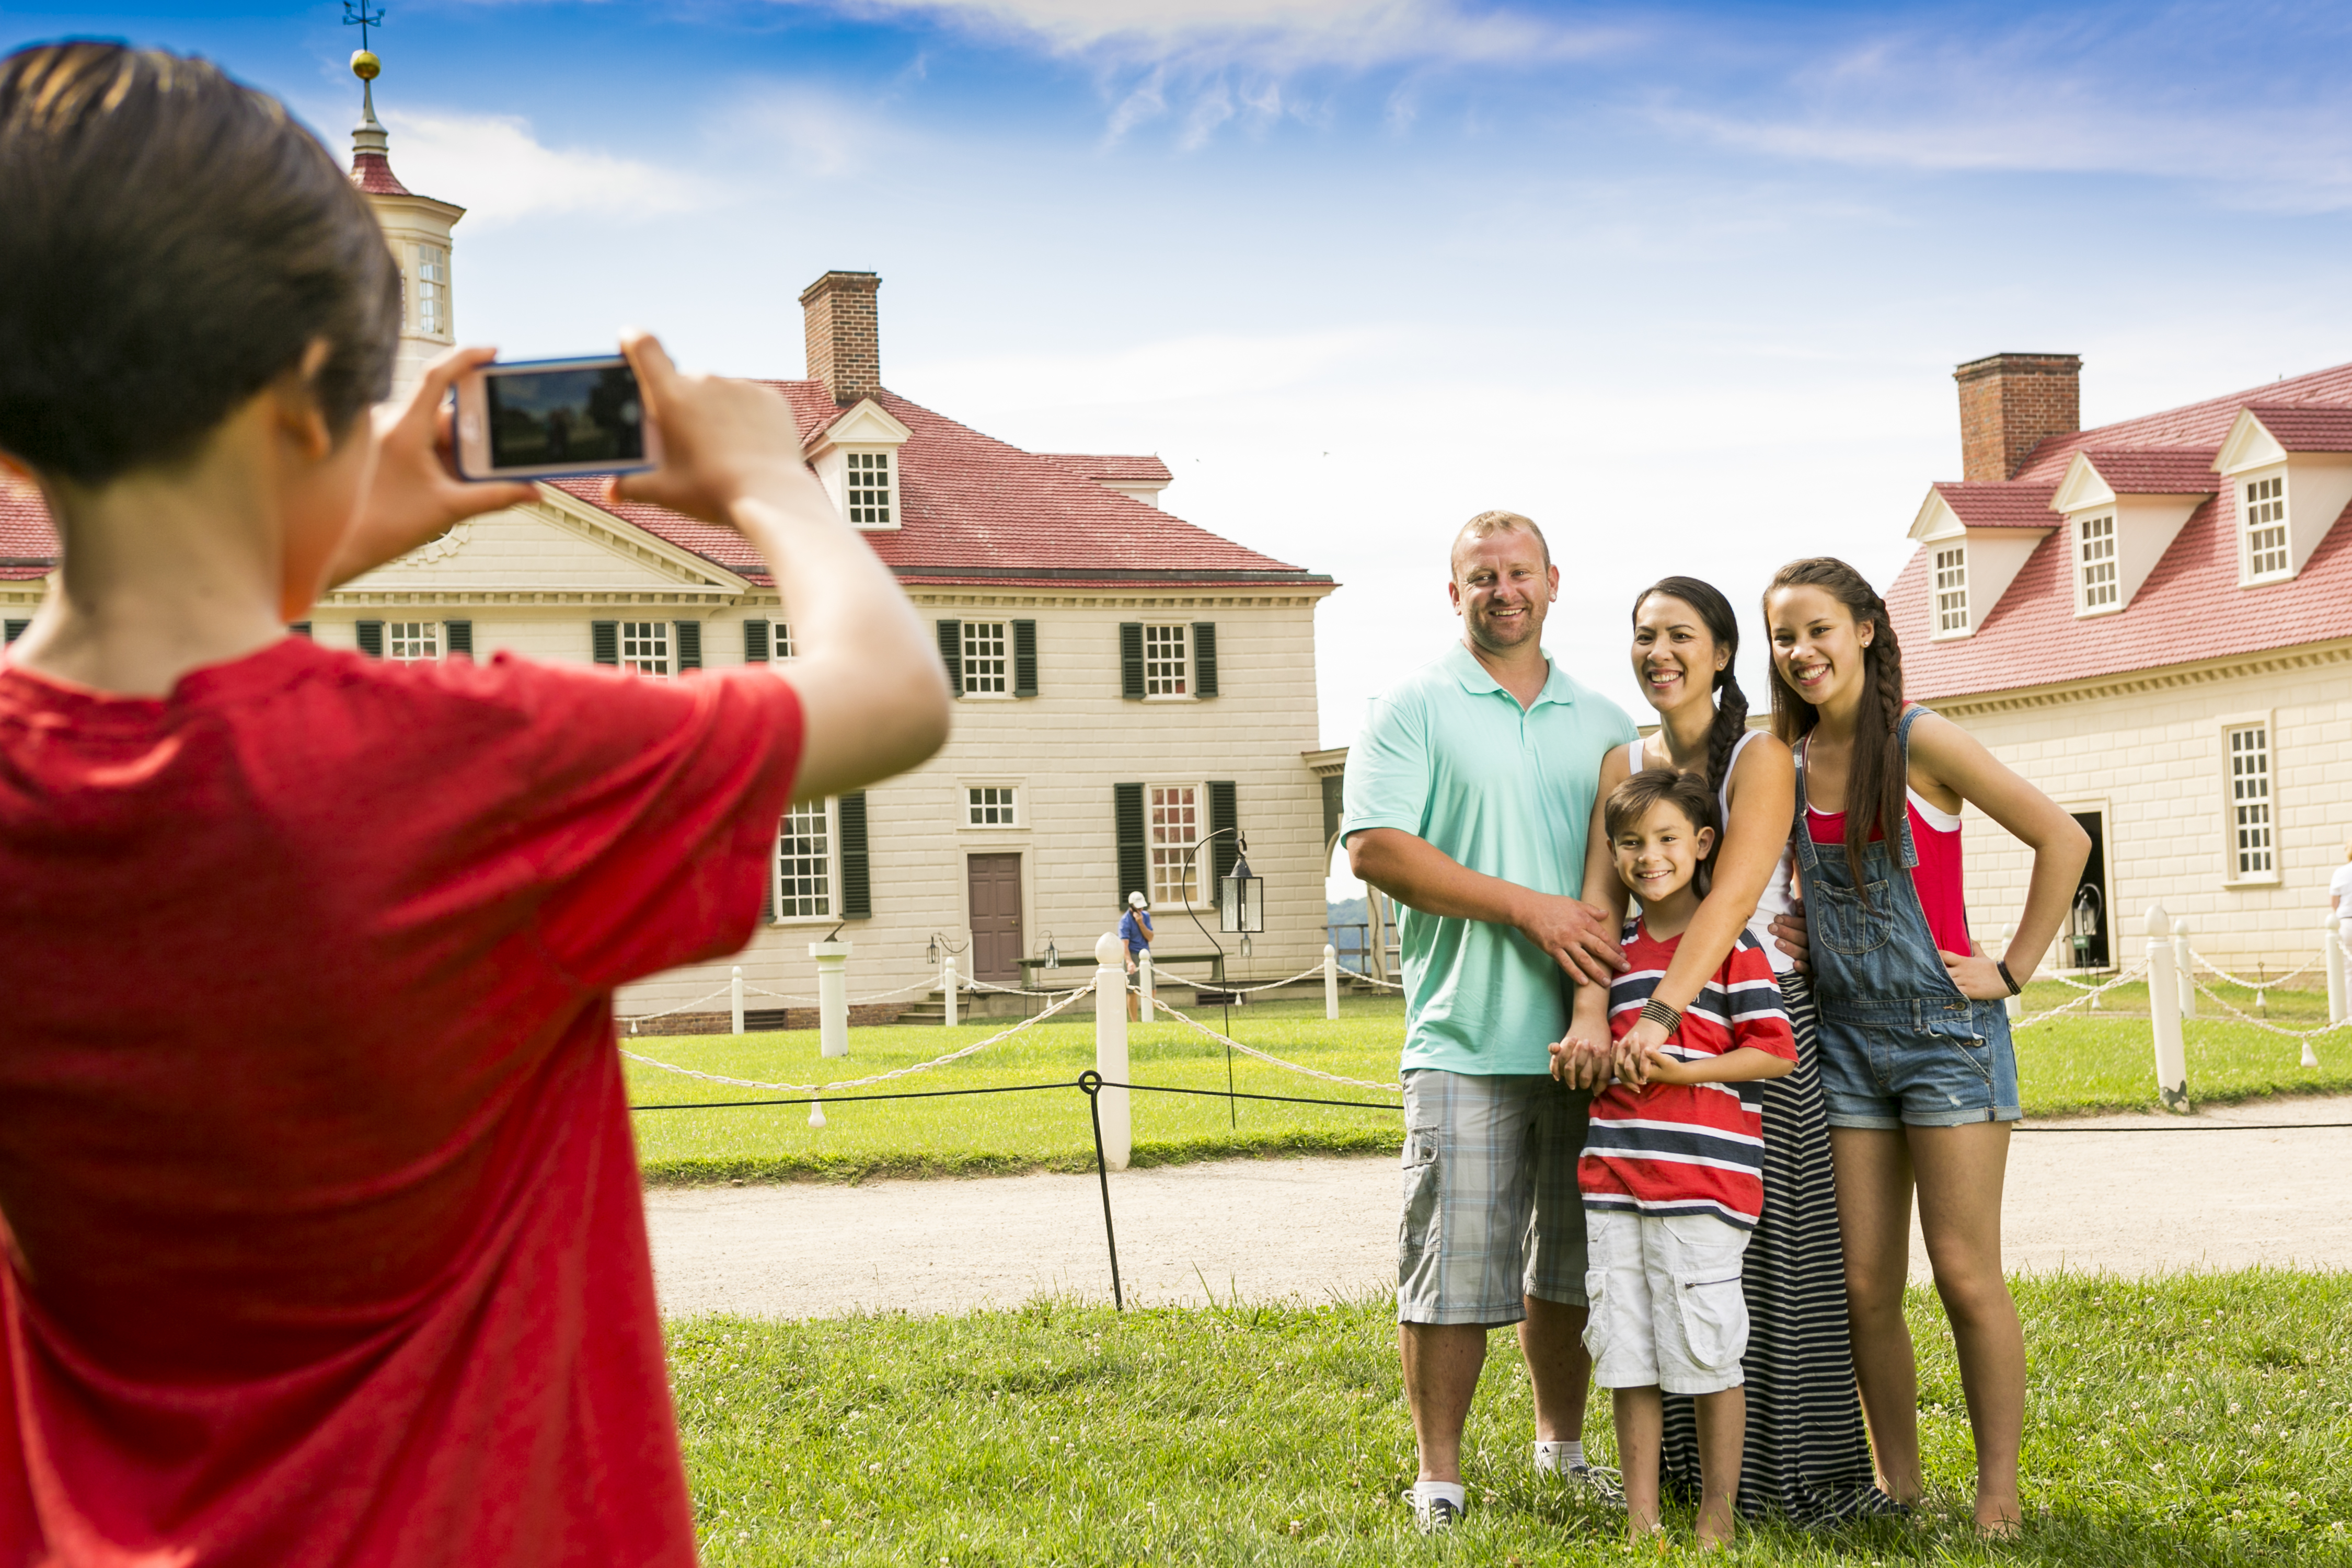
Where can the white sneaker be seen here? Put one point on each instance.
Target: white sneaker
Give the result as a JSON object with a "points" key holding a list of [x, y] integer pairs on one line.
{"points": [[1434, 1514]]}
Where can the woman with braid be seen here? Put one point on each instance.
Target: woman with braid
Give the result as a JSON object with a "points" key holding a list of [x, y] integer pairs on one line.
{"points": [[1916, 1063], [1807, 1460]]}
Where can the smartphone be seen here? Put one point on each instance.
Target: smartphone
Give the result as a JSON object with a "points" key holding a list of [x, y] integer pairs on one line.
{"points": [[550, 418]]}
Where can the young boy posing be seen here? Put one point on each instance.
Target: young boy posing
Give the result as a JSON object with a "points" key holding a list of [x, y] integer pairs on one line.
{"points": [[1673, 1167], [325, 1240]]}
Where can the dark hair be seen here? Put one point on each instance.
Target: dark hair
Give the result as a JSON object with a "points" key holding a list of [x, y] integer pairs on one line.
{"points": [[1686, 793], [1875, 780], [172, 243], [1731, 705]]}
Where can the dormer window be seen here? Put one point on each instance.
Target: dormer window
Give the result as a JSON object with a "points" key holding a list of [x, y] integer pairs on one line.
{"points": [[2264, 511], [867, 481], [2095, 550], [1951, 589]]}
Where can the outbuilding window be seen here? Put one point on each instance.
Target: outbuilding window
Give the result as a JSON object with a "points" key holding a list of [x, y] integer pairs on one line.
{"points": [[986, 671], [991, 806], [2252, 849], [805, 863], [1952, 589], [2095, 548]]}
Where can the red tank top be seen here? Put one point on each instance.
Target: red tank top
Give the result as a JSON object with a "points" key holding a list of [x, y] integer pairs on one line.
{"points": [[1936, 836]]}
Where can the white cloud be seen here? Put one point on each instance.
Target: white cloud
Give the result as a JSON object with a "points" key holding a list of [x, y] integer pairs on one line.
{"points": [[1171, 370], [496, 167]]}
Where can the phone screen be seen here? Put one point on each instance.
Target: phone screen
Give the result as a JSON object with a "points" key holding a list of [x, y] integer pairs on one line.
{"points": [[582, 414]]}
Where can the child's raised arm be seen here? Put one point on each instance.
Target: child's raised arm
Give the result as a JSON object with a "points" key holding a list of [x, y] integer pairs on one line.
{"points": [[873, 695], [1741, 1064]]}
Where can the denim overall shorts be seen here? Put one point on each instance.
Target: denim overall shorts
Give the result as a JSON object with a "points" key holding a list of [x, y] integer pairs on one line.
{"points": [[1900, 1046]]}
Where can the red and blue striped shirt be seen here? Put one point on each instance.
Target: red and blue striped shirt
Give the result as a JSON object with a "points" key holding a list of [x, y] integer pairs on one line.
{"points": [[1670, 1149]]}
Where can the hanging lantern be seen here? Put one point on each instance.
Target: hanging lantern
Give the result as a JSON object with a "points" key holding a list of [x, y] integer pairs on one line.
{"points": [[931, 953], [1053, 953], [1241, 898]]}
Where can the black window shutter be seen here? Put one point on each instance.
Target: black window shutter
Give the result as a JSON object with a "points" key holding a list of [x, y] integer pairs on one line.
{"points": [[460, 637], [1024, 658], [951, 654], [1134, 861], [15, 629], [1130, 659], [856, 883], [1222, 816], [689, 644], [300, 628], [1205, 659], [755, 641], [371, 638], [605, 639], [768, 886]]}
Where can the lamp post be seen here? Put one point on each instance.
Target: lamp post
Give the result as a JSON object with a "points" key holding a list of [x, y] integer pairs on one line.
{"points": [[1240, 909]]}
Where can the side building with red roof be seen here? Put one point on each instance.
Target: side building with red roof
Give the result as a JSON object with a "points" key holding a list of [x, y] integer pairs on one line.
{"points": [[1128, 684], [2152, 621]]}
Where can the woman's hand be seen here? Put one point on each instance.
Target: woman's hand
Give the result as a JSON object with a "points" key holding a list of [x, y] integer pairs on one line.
{"points": [[414, 494], [1975, 975]]}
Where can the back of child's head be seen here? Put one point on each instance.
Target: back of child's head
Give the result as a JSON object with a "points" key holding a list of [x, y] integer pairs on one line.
{"points": [[172, 243], [1629, 803]]}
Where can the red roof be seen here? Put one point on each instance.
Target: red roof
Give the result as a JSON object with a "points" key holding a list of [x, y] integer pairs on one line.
{"points": [[2191, 607], [1116, 471], [372, 173], [973, 510], [1981, 503], [2156, 471]]}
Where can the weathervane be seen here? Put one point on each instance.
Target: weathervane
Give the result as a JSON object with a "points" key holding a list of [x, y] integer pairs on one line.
{"points": [[365, 65], [357, 15]]}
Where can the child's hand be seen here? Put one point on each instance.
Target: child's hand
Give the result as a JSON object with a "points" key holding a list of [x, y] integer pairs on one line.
{"points": [[1660, 1067], [1631, 1066], [1584, 1059]]}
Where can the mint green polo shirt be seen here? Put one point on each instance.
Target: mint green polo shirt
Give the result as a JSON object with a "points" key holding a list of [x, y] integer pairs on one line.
{"points": [[1449, 756]]}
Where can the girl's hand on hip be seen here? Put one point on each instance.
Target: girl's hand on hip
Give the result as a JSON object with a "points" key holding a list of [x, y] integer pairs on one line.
{"points": [[1977, 976]]}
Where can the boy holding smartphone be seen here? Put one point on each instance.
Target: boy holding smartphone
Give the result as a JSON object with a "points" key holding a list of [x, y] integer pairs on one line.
{"points": [[326, 1238]]}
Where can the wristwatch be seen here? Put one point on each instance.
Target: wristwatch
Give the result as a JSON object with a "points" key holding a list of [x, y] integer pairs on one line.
{"points": [[2006, 977]]}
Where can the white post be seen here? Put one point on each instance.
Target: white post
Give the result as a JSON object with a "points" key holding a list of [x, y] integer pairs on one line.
{"points": [[2164, 1011], [2015, 1005], [1111, 1048], [832, 996], [2339, 969], [2184, 967], [1330, 980], [1146, 983], [947, 987], [735, 987]]}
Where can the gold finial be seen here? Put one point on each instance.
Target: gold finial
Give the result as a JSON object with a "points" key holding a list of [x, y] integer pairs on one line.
{"points": [[365, 66]]}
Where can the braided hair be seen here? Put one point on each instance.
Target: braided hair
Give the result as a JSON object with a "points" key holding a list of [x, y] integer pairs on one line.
{"points": [[1875, 780], [1731, 703]]}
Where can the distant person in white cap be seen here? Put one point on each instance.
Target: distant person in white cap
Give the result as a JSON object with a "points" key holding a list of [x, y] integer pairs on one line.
{"points": [[2339, 897], [1135, 930]]}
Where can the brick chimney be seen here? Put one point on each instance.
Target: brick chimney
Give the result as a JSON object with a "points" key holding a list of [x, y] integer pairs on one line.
{"points": [[845, 334], [2010, 403]]}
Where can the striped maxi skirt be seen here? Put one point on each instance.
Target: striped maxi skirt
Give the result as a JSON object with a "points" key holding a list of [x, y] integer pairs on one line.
{"points": [[1808, 1457]]}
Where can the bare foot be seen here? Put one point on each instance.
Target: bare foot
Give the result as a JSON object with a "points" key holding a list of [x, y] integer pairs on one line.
{"points": [[1716, 1528]]}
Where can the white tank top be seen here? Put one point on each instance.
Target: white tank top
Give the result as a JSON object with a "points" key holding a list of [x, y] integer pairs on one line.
{"points": [[1775, 900]]}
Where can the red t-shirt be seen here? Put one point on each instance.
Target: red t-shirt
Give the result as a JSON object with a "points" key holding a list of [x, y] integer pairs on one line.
{"points": [[325, 1235], [1936, 878]]}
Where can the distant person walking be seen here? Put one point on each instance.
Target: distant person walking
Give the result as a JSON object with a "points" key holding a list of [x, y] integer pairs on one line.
{"points": [[2339, 898], [1135, 931], [1921, 1078], [1807, 1457], [1468, 799]]}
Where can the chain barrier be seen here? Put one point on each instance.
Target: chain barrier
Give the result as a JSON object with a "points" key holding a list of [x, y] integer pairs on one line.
{"points": [[2089, 996], [1022, 990], [1253, 1051], [1358, 974], [2257, 986], [634, 1019], [2244, 1017], [820, 1088], [853, 1001]]}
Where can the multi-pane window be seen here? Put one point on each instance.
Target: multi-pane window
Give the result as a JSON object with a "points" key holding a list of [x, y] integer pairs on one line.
{"points": [[779, 640], [432, 288], [1952, 589], [1175, 825], [2266, 526], [2096, 542], [412, 642], [870, 489], [805, 862], [1164, 669], [985, 668], [644, 646], [2250, 801], [988, 805]]}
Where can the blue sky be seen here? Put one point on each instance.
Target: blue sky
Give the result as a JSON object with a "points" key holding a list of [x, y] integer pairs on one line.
{"points": [[1686, 284]]}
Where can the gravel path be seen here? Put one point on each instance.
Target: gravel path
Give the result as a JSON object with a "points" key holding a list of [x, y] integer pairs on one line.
{"points": [[1313, 1229]]}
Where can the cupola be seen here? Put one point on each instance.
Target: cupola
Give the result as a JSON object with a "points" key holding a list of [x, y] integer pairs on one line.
{"points": [[417, 228]]}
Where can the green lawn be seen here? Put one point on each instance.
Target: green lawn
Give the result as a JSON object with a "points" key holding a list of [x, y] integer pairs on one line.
{"points": [[2204, 1419], [2085, 1061]]}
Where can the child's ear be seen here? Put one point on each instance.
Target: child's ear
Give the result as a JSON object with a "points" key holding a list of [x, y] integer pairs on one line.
{"points": [[1705, 842]]}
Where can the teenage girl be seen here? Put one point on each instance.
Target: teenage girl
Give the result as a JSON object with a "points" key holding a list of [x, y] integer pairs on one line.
{"points": [[1919, 1073], [1806, 1457]]}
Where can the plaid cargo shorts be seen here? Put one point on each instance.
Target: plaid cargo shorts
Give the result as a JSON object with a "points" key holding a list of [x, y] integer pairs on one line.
{"points": [[1492, 1212]]}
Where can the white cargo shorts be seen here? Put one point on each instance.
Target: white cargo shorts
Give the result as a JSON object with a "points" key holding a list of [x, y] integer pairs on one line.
{"points": [[1666, 1305]]}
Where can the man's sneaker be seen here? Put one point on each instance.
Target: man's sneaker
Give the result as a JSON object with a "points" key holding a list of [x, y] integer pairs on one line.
{"points": [[1603, 1486], [1436, 1515]]}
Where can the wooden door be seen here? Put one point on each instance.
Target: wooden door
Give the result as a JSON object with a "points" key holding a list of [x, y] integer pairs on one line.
{"points": [[996, 918]]}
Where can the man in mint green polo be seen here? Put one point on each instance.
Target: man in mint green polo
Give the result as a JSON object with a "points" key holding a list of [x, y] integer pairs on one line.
{"points": [[1468, 795]]}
